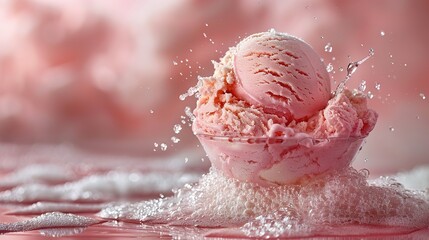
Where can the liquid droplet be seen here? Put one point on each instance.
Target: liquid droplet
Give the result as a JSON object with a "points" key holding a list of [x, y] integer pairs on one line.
{"points": [[422, 96], [362, 86], [151, 111], [351, 68], [377, 86], [175, 139], [272, 31], [370, 95], [205, 35], [328, 47], [163, 147], [177, 128], [207, 24], [175, 63], [382, 33], [186, 159], [155, 144], [392, 129], [329, 67]]}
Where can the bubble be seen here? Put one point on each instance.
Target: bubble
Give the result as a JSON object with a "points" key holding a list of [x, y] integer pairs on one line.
{"points": [[163, 146], [362, 86], [329, 67], [177, 128], [328, 47], [377, 86], [175, 139]]}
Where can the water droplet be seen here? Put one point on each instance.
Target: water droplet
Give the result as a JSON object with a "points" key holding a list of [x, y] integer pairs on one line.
{"points": [[370, 95], [405, 65], [207, 24], [151, 111], [366, 159], [377, 86], [422, 96], [351, 68], [329, 67], [175, 139], [155, 144], [163, 147], [392, 129], [205, 35], [175, 63], [177, 128], [365, 172], [190, 50], [382, 33], [341, 69], [328, 47], [186, 159], [362, 86], [189, 113]]}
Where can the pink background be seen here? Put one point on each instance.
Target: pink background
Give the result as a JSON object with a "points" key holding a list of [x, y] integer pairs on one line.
{"points": [[109, 73]]}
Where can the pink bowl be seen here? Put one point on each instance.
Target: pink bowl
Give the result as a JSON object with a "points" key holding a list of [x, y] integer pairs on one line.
{"points": [[278, 161]]}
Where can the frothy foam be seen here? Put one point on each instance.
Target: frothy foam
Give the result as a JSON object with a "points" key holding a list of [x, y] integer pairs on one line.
{"points": [[339, 198]]}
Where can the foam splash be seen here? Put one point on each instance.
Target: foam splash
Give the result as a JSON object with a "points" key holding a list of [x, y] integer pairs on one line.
{"points": [[102, 187], [340, 198], [49, 220]]}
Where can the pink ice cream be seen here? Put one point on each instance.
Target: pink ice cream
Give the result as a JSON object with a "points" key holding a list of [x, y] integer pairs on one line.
{"points": [[266, 115], [281, 74]]}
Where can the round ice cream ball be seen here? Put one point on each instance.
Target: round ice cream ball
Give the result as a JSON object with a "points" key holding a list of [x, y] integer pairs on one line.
{"points": [[282, 74]]}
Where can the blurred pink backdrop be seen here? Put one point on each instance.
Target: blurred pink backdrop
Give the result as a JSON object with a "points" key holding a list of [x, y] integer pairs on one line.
{"points": [[108, 74]]}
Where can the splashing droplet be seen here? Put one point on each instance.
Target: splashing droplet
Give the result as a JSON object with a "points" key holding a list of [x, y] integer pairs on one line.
{"points": [[377, 86], [362, 86], [175, 139], [329, 67], [175, 63], [163, 146], [351, 68], [177, 128], [328, 47], [370, 95]]}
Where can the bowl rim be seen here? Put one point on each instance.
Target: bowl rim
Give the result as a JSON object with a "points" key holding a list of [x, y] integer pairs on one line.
{"points": [[280, 139]]}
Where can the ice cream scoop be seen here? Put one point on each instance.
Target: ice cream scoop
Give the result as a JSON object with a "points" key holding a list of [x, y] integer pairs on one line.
{"points": [[282, 74]]}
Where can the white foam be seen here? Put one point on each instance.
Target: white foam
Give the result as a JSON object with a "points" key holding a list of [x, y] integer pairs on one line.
{"points": [[336, 199], [49, 220], [45, 207], [104, 187]]}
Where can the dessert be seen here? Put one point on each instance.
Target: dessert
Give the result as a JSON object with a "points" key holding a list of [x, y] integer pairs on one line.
{"points": [[272, 89]]}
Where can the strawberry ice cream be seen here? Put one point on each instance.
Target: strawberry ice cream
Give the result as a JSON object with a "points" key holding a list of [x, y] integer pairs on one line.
{"points": [[266, 115]]}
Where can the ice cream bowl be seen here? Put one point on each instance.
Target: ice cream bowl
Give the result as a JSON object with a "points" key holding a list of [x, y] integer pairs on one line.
{"points": [[278, 160]]}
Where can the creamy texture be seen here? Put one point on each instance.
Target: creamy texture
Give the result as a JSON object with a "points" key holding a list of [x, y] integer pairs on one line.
{"points": [[225, 110], [282, 74]]}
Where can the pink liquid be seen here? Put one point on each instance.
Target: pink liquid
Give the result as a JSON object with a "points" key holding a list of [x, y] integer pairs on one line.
{"points": [[344, 204]]}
